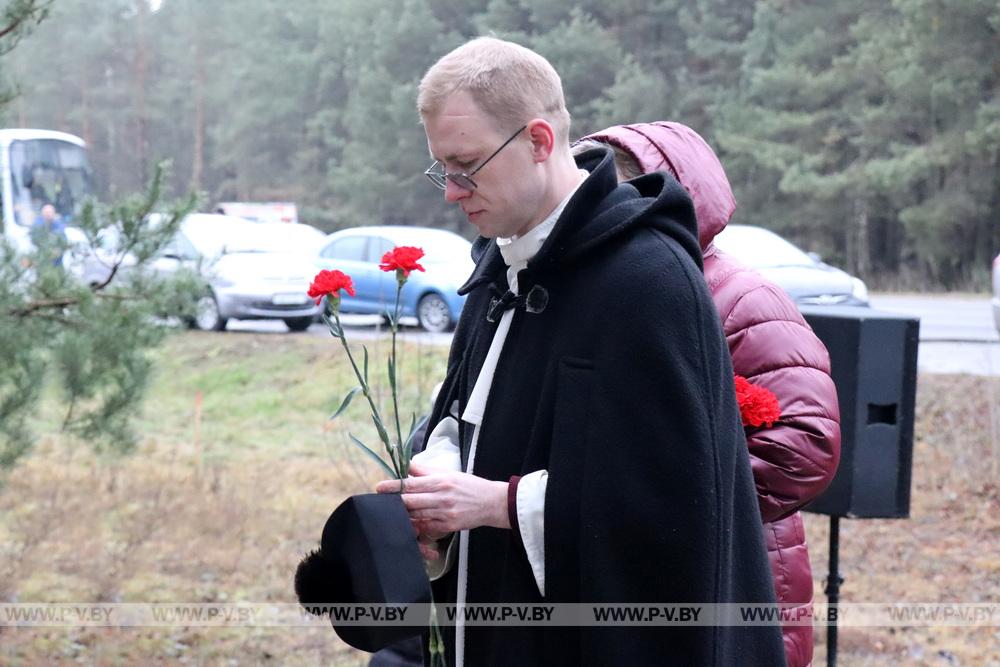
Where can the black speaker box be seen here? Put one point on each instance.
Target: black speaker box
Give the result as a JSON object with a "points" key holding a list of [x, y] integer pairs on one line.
{"points": [[873, 357]]}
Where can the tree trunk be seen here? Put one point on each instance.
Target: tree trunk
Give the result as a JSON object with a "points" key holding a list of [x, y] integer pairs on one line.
{"points": [[85, 113], [198, 162], [861, 261], [141, 144], [111, 130]]}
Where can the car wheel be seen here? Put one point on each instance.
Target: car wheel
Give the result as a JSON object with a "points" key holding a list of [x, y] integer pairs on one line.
{"points": [[433, 314], [298, 323], [207, 316]]}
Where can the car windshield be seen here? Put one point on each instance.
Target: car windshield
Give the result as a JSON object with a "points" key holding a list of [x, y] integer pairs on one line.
{"points": [[213, 237], [760, 248], [277, 237]]}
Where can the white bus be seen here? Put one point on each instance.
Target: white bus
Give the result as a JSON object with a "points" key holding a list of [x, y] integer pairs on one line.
{"points": [[39, 167]]}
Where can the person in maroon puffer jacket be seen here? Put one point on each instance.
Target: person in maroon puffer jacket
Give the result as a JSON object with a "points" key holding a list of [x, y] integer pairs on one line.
{"points": [[771, 345]]}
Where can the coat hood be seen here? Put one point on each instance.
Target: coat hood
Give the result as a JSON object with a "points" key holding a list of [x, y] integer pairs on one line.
{"points": [[599, 211], [680, 151]]}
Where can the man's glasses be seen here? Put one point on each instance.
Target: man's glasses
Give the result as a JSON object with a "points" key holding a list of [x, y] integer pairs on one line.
{"points": [[440, 177]]}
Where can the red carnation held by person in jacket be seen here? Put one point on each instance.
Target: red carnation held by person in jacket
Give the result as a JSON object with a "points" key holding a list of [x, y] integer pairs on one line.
{"points": [[758, 406]]}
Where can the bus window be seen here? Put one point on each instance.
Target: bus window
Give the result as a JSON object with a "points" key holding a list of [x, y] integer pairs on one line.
{"points": [[48, 171]]}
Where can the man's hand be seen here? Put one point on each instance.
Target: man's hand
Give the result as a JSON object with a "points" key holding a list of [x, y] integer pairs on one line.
{"points": [[442, 502]]}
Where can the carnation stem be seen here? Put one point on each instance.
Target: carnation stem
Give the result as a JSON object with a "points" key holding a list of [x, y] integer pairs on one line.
{"points": [[436, 643], [396, 464], [403, 455]]}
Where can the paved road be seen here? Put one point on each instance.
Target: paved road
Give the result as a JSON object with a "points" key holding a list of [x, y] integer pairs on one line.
{"points": [[959, 358], [944, 317], [957, 334], [358, 327]]}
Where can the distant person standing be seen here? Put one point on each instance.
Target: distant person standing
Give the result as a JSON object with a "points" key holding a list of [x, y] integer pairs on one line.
{"points": [[48, 233]]}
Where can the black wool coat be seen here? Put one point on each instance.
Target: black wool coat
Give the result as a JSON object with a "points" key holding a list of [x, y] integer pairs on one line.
{"points": [[622, 388]]}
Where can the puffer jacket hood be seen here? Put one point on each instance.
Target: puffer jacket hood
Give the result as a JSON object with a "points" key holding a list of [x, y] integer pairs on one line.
{"points": [[680, 151], [599, 211]]}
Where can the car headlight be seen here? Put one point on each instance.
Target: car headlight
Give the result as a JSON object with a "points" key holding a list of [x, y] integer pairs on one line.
{"points": [[858, 290]]}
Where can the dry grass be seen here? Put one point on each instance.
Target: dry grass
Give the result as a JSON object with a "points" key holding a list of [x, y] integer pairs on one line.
{"points": [[946, 551], [169, 525], [152, 530], [223, 519]]}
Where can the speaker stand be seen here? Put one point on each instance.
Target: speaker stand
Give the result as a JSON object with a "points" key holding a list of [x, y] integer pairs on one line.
{"points": [[833, 582]]}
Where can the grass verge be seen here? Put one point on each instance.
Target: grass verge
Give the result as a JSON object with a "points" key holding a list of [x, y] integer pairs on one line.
{"points": [[221, 507]]}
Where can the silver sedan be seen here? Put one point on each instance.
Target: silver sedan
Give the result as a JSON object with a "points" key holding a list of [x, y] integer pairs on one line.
{"points": [[253, 271], [807, 279]]}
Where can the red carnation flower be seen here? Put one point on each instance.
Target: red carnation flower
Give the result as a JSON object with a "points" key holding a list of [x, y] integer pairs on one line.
{"points": [[402, 258], [330, 282], [758, 405]]}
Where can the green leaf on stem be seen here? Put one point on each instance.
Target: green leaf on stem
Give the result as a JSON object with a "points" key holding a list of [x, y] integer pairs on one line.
{"points": [[414, 426], [366, 363], [378, 459], [382, 433], [347, 401], [392, 374], [335, 330]]}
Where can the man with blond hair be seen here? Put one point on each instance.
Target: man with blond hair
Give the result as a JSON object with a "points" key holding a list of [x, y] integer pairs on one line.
{"points": [[586, 444]]}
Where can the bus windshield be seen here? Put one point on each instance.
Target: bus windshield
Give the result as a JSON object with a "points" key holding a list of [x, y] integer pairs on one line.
{"points": [[48, 171]]}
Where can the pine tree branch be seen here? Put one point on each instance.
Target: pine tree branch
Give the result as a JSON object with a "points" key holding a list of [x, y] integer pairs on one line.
{"points": [[36, 307], [43, 304], [111, 275], [117, 297], [32, 11], [13, 26], [56, 318]]}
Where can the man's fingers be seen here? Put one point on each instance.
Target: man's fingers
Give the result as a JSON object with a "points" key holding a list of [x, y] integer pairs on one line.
{"points": [[387, 486], [426, 515], [415, 500], [434, 528], [409, 485], [428, 484], [428, 531], [434, 535]]}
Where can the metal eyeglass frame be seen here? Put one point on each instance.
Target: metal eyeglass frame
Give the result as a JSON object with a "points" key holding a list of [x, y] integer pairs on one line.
{"points": [[462, 179]]}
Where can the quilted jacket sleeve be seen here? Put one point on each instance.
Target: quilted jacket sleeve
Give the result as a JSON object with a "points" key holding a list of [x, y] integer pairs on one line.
{"points": [[771, 345]]}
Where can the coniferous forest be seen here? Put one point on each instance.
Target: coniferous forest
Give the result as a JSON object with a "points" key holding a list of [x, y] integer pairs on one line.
{"points": [[868, 131]]}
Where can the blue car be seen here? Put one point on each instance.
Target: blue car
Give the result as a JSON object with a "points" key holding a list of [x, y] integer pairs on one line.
{"points": [[431, 296]]}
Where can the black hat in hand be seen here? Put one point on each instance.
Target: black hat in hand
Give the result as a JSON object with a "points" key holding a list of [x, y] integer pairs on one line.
{"points": [[368, 555]]}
